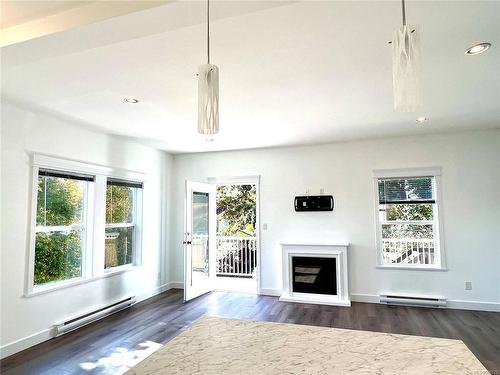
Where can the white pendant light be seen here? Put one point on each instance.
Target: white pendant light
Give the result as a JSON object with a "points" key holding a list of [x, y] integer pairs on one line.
{"points": [[406, 67], [208, 91]]}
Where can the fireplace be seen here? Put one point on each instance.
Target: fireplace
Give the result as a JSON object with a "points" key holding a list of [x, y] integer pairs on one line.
{"points": [[315, 274]]}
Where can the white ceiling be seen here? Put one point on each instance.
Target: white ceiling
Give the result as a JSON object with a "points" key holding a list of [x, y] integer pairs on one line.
{"points": [[22, 20], [290, 72], [15, 12]]}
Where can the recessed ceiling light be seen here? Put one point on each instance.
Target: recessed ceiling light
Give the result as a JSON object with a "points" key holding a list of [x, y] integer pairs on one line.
{"points": [[478, 48], [131, 100], [422, 119]]}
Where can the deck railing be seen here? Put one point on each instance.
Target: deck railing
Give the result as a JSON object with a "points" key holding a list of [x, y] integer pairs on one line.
{"points": [[408, 251], [236, 256]]}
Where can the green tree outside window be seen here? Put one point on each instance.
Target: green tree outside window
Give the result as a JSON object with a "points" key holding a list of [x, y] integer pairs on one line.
{"points": [[58, 254]]}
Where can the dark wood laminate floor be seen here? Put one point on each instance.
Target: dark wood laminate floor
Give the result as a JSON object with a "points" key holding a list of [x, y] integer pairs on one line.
{"points": [[102, 347]]}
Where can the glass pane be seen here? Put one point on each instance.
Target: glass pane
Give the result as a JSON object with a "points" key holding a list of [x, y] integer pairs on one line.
{"points": [[407, 231], [406, 189], [236, 250], [199, 242], [408, 244], [408, 252], [405, 212], [119, 204], [119, 246], [236, 210], [58, 256], [59, 201]]}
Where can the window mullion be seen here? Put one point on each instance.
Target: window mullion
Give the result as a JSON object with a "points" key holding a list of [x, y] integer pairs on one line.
{"points": [[409, 222], [45, 200], [99, 225], [58, 228], [86, 246], [120, 225]]}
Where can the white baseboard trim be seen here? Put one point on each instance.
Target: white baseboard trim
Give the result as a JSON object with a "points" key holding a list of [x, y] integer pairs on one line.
{"points": [[160, 289], [450, 304], [176, 285], [26, 342], [153, 292], [366, 298], [473, 305], [270, 292], [39, 337]]}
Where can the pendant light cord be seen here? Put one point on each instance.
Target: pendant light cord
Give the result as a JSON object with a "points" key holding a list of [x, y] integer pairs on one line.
{"points": [[404, 12], [208, 31]]}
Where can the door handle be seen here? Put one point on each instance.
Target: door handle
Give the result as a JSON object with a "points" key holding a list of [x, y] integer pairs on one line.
{"points": [[186, 242]]}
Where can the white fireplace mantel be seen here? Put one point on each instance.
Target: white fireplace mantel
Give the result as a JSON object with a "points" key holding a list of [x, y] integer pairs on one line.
{"points": [[331, 250]]}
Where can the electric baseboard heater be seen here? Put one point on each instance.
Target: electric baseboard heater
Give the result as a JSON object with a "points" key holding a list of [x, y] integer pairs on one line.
{"points": [[313, 203], [412, 300], [84, 319]]}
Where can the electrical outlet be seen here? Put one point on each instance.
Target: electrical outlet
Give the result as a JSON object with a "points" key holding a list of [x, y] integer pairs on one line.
{"points": [[321, 191], [264, 226], [468, 285]]}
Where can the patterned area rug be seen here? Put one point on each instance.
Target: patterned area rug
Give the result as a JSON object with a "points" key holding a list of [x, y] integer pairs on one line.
{"points": [[230, 346]]}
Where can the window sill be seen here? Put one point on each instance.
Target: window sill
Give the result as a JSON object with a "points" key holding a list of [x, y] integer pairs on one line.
{"points": [[43, 289], [413, 268], [119, 269]]}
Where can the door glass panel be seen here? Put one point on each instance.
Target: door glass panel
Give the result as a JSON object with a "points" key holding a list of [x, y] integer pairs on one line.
{"points": [[199, 246]]}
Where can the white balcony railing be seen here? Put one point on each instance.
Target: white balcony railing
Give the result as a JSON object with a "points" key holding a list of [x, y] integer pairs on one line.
{"points": [[408, 251], [236, 256]]}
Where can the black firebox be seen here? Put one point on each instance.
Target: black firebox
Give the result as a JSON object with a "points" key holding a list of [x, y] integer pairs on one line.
{"points": [[316, 275]]}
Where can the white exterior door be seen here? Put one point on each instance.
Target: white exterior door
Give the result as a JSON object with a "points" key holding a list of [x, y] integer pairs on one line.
{"points": [[199, 239]]}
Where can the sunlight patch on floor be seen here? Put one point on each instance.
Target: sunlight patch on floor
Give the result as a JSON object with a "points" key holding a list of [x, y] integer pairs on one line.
{"points": [[122, 359]]}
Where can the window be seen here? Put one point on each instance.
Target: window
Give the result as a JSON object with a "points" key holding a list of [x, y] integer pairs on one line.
{"points": [[61, 226], [122, 203], [86, 223], [408, 225]]}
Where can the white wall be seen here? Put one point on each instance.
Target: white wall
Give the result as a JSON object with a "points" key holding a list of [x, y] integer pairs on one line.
{"points": [[471, 183], [471, 200], [25, 132]]}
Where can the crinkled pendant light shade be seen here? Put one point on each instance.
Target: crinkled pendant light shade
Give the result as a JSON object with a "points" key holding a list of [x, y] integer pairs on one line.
{"points": [[406, 69], [208, 91], [208, 99]]}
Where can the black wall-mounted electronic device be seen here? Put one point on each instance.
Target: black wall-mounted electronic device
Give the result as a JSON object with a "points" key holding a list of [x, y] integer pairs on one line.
{"points": [[314, 203]]}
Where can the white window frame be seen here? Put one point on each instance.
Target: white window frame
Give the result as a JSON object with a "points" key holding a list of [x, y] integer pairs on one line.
{"points": [[95, 211], [136, 223], [87, 225], [438, 231]]}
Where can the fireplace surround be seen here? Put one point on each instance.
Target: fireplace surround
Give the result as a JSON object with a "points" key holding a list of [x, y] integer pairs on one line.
{"points": [[315, 273]]}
